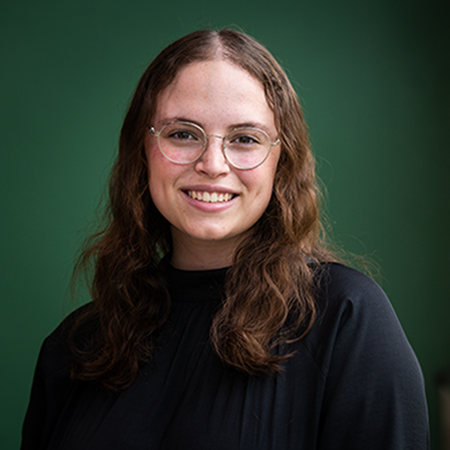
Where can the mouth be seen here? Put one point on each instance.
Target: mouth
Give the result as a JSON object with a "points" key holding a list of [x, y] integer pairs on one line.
{"points": [[211, 197]]}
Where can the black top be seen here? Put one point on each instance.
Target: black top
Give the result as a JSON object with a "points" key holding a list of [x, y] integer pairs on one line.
{"points": [[354, 383]]}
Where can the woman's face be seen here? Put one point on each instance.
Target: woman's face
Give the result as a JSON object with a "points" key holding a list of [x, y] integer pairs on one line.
{"points": [[218, 96]]}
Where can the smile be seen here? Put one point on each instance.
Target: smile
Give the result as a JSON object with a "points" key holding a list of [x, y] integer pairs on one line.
{"points": [[210, 197]]}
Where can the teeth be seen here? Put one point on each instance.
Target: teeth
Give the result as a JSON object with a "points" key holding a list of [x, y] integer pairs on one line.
{"points": [[210, 197]]}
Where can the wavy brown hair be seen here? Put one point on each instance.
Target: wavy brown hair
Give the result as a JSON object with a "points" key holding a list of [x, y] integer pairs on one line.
{"points": [[269, 288]]}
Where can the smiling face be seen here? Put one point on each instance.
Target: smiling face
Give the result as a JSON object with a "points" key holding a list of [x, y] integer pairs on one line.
{"points": [[209, 204]]}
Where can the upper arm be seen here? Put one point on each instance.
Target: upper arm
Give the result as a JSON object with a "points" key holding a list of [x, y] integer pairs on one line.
{"points": [[374, 396], [51, 387]]}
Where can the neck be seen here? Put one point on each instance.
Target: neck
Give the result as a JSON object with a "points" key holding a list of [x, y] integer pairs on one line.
{"points": [[191, 254]]}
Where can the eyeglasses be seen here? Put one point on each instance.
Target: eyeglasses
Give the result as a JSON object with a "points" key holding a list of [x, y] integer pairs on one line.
{"points": [[184, 143]]}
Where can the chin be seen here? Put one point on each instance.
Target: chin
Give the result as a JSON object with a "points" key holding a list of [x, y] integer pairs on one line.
{"points": [[212, 234]]}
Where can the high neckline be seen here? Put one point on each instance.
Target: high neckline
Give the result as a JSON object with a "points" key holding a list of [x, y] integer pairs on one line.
{"points": [[195, 285]]}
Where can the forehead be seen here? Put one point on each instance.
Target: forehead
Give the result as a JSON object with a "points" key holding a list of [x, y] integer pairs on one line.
{"points": [[214, 90]]}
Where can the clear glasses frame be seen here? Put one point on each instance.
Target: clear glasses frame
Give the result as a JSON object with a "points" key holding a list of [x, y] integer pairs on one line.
{"points": [[201, 144]]}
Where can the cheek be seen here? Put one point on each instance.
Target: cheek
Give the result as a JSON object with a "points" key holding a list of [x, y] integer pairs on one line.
{"points": [[156, 172], [163, 177], [260, 187], [264, 178], [267, 181]]}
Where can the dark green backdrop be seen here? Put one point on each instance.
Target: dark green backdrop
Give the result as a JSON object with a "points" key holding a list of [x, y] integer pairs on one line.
{"points": [[374, 79]]}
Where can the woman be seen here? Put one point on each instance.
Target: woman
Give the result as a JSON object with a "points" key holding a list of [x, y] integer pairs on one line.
{"points": [[219, 320]]}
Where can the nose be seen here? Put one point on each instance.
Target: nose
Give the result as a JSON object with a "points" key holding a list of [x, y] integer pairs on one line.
{"points": [[213, 162]]}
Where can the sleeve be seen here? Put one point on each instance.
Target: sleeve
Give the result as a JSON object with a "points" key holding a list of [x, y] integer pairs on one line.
{"points": [[374, 397], [35, 417], [51, 387]]}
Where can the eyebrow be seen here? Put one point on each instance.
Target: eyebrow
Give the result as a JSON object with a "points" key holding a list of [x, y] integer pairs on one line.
{"points": [[248, 125], [229, 128]]}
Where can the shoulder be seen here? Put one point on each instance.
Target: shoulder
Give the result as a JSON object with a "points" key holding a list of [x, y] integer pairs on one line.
{"points": [[357, 330], [56, 354], [349, 295], [372, 377], [340, 281], [357, 324]]}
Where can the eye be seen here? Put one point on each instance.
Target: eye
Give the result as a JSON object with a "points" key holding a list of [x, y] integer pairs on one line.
{"points": [[182, 135], [245, 139]]}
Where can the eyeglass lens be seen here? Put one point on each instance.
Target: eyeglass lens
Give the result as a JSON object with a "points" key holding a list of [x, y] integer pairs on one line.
{"points": [[183, 143]]}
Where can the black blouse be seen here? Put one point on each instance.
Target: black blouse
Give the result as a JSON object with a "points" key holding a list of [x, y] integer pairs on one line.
{"points": [[353, 383]]}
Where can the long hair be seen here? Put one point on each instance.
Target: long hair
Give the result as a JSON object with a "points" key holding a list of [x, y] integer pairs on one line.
{"points": [[269, 288]]}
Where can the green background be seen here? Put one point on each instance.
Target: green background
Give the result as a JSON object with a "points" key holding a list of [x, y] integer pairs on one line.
{"points": [[374, 80]]}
